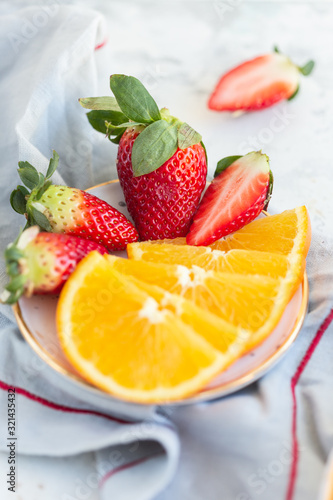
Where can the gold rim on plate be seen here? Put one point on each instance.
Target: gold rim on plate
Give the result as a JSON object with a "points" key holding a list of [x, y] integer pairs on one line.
{"points": [[206, 394]]}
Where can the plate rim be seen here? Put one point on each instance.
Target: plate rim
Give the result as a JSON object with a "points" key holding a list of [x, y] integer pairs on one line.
{"points": [[205, 396]]}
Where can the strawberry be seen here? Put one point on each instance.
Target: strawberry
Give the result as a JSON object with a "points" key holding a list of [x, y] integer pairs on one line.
{"points": [[163, 202], [62, 209], [241, 189], [258, 83], [40, 263], [161, 161]]}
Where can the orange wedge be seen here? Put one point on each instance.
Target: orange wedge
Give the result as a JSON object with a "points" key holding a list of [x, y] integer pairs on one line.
{"points": [[160, 325], [254, 302], [137, 342], [286, 233], [221, 334], [235, 261], [273, 245]]}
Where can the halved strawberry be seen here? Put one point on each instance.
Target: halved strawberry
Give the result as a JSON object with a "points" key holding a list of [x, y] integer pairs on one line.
{"points": [[258, 83], [240, 191]]}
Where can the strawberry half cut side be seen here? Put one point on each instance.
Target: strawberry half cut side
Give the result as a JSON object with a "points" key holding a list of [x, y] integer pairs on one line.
{"points": [[241, 190], [258, 83]]}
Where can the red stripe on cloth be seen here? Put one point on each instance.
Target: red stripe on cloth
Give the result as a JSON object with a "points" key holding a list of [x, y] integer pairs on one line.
{"points": [[50, 404], [294, 381], [126, 466], [100, 45]]}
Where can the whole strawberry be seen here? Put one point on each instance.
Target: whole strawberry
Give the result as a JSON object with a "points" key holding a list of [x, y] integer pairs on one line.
{"points": [[62, 209], [258, 83], [241, 189], [40, 263], [161, 161]]}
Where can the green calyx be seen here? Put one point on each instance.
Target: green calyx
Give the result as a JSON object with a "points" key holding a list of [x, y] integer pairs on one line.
{"points": [[24, 199], [132, 106], [16, 267], [225, 163], [270, 189], [305, 70]]}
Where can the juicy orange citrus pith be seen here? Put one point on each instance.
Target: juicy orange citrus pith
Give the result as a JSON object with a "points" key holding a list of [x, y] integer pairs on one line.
{"points": [[123, 340], [237, 261], [254, 302], [221, 334]]}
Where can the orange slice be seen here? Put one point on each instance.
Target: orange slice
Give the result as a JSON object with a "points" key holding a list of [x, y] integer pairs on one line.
{"points": [[221, 334], [235, 261], [271, 245], [123, 339], [254, 302], [288, 233]]}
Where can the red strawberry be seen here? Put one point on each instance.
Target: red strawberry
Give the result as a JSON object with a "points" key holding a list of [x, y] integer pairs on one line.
{"points": [[241, 190], [162, 203], [161, 161], [40, 263], [258, 83], [61, 209]]}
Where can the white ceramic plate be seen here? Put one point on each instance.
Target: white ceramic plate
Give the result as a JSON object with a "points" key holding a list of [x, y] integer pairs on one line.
{"points": [[36, 320]]}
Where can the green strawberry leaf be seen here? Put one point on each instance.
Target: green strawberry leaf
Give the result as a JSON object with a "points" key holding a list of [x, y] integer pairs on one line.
{"points": [[154, 146], [105, 103], [270, 190], [42, 190], [307, 68], [16, 283], [98, 118], [12, 253], [294, 94], [28, 174], [12, 298], [187, 136], [276, 49], [127, 125], [12, 268], [204, 147], [225, 163], [116, 138], [23, 190], [41, 180], [134, 99], [52, 165], [40, 219], [18, 201]]}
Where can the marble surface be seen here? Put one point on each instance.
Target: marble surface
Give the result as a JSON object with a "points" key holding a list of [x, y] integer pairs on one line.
{"points": [[179, 49]]}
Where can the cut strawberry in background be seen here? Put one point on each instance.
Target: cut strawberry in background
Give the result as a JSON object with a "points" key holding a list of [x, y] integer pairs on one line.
{"points": [[241, 190], [258, 83]]}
